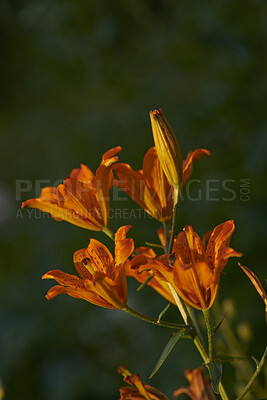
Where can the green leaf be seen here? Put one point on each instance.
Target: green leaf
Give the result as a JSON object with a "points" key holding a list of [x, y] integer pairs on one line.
{"points": [[140, 287], [216, 327], [168, 348], [223, 357], [154, 245], [163, 312], [215, 370]]}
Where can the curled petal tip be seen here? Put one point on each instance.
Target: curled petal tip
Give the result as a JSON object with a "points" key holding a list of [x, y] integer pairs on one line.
{"points": [[47, 276], [127, 228], [205, 152], [26, 203]]}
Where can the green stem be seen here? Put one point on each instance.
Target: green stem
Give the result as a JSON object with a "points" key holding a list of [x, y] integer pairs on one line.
{"points": [[166, 235], [222, 392], [206, 314], [176, 197], [153, 320], [140, 287], [254, 376], [202, 351], [191, 312], [207, 317]]}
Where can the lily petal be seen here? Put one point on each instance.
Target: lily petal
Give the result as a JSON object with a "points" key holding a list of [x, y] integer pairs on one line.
{"points": [[200, 387], [64, 279], [109, 154], [78, 294], [131, 182], [192, 283], [218, 242], [100, 257], [75, 195], [102, 181], [185, 390], [188, 246], [146, 251], [124, 247], [83, 174], [188, 163]]}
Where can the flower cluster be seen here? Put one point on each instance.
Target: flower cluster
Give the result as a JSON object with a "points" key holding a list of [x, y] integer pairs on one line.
{"points": [[188, 271]]}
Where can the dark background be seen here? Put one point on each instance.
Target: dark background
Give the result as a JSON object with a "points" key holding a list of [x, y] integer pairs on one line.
{"points": [[77, 78]]}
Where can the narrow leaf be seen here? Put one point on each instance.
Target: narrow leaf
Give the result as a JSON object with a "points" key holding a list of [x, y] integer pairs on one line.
{"points": [[167, 350], [163, 312], [257, 285], [216, 327], [223, 357], [154, 245], [215, 370], [140, 287]]}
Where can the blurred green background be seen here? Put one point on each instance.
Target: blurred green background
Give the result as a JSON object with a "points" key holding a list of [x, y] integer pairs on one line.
{"points": [[77, 78]]}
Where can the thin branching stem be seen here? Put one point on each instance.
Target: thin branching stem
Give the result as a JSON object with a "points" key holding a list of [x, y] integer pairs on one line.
{"points": [[166, 235], [154, 320], [254, 376], [176, 197]]}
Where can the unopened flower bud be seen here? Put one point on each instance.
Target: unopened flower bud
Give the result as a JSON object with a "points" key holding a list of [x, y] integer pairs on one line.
{"points": [[167, 148]]}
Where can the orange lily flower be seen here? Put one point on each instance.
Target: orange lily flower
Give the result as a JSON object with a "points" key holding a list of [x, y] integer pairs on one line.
{"points": [[193, 269], [200, 387], [83, 198], [149, 187], [103, 279], [139, 390]]}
